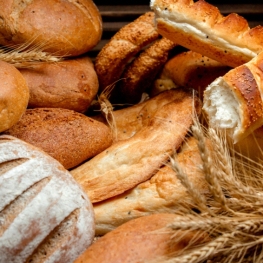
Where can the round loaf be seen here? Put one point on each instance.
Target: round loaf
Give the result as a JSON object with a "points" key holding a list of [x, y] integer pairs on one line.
{"points": [[68, 136], [45, 215], [141, 240], [14, 95], [70, 84], [67, 28]]}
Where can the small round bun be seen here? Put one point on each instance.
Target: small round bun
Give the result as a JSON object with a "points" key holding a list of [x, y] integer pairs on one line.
{"points": [[62, 27], [14, 95]]}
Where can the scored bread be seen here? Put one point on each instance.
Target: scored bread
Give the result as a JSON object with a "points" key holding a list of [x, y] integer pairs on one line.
{"points": [[199, 26], [45, 215], [234, 102]]}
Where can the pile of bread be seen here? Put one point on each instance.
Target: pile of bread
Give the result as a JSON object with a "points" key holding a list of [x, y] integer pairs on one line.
{"points": [[85, 145]]}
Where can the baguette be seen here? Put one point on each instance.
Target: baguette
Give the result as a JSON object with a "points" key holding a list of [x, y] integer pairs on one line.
{"points": [[45, 215], [199, 26], [129, 162], [233, 102]]}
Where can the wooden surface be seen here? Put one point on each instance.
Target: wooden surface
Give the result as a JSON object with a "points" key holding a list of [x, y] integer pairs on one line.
{"points": [[115, 16]]}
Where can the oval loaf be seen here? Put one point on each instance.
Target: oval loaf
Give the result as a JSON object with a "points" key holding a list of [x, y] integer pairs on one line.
{"points": [[45, 216], [68, 136]]}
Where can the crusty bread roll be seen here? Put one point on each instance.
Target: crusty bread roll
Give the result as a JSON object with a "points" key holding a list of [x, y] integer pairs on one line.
{"points": [[233, 102], [188, 69], [45, 215], [122, 47], [67, 28], [14, 95], [68, 136], [199, 26], [142, 240], [162, 193], [70, 84], [129, 162]]}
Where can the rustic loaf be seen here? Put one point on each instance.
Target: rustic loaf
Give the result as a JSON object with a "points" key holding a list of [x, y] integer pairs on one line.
{"points": [[142, 240], [68, 136], [162, 193], [14, 95], [234, 102], [199, 26], [45, 215], [70, 84], [129, 162], [65, 28]]}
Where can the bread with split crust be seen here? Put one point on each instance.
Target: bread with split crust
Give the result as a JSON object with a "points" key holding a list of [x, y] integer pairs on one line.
{"points": [[199, 26]]}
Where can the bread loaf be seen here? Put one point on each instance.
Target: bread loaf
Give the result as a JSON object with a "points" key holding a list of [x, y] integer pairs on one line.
{"points": [[188, 69], [68, 136], [199, 26], [162, 193], [142, 240], [66, 28], [70, 84], [14, 95], [129, 162], [45, 215], [233, 102]]}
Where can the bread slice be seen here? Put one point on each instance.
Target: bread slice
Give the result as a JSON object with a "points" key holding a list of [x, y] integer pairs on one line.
{"points": [[199, 26], [45, 216]]}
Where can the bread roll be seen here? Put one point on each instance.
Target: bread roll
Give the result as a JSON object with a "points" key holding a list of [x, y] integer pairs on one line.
{"points": [[14, 95], [68, 136], [188, 69], [45, 215], [199, 26], [129, 162], [70, 84], [162, 193], [67, 28], [233, 102], [142, 240]]}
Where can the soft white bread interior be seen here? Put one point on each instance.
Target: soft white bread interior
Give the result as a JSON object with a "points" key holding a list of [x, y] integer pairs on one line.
{"points": [[233, 102], [199, 26], [44, 214]]}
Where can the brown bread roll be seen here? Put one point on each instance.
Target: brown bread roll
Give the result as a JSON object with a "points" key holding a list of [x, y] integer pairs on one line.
{"points": [[199, 26], [14, 95], [67, 28], [70, 84], [45, 215], [142, 240], [68, 136]]}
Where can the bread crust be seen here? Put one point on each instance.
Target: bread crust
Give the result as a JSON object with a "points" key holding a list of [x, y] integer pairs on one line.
{"points": [[70, 84], [199, 26], [14, 95], [139, 75], [68, 136], [122, 47], [129, 162], [66, 28], [45, 215]]}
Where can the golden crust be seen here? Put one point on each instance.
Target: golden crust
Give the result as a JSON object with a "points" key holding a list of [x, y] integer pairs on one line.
{"points": [[162, 193], [209, 32], [123, 46], [140, 74], [127, 163]]}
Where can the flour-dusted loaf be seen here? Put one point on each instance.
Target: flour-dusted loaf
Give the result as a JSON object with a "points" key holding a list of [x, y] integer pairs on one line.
{"points": [[61, 27], [14, 95], [68, 136], [199, 26], [162, 193], [45, 216], [127, 163], [234, 102], [144, 239], [70, 84]]}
